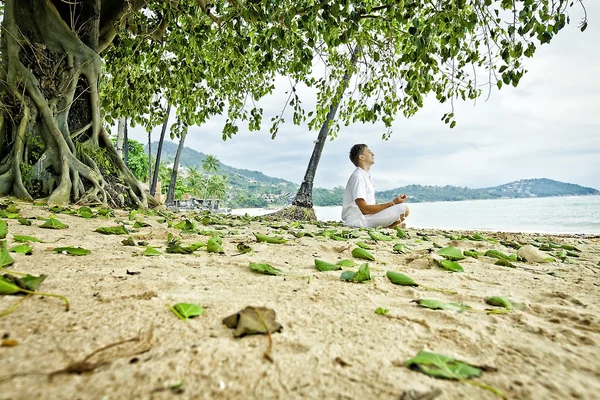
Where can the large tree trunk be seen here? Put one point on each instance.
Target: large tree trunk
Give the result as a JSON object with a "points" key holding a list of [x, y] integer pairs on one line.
{"points": [[158, 152], [52, 144], [302, 206], [173, 183]]}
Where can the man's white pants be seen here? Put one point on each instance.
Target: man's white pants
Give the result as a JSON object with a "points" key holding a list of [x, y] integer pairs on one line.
{"points": [[382, 218]]}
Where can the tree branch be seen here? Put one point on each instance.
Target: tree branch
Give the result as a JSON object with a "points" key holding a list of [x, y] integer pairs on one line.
{"points": [[112, 15], [206, 9]]}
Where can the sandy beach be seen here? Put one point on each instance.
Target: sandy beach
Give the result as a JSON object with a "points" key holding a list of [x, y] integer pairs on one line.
{"points": [[333, 345]]}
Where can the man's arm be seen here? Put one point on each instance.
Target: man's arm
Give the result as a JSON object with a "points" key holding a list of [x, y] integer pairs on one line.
{"points": [[368, 209]]}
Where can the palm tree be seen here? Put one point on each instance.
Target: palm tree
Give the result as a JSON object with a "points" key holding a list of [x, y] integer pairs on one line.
{"points": [[196, 182], [164, 174], [217, 187], [210, 164]]}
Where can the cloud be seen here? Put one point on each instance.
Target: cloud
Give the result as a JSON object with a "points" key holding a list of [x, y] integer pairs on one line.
{"points": [[547, 127]]}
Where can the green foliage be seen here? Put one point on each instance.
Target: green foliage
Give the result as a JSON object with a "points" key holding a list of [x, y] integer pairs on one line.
{"points": [[137, 159], [239, 50]]}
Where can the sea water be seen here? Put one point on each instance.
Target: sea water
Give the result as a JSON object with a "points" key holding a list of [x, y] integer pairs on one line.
{"points": [[573, 214]]}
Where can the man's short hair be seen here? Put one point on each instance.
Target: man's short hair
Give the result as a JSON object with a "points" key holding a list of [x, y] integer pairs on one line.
{"points": [[356, 151]]}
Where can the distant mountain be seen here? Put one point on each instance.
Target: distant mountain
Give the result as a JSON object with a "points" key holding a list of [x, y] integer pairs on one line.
{"points": [[255, 189], [248, 188], [518, 189]]}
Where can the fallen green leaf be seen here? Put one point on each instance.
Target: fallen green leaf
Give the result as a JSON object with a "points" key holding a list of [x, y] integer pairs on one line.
{"points": [[213, 246], [175, 247], [497, 254], [440, 305], [268, 239], [140, 224], [363, 274], [12, 209], [53, 223], [381, 311], [346, 263], [400, 233], [186, 226], [8, 286], [363, 245], [440, 366], [325, 266], [72, 251], [22, 249], [5, 258], [400, 279], [449, 265], [471, 253], [499, 302], [400, 248], [186, 310], [112, 230], [24, 239], [378, 236], [347, 275], [24, 221], [451, 253], [265, 269], [503, 262], [363, 254], [85, 212], [128, 242], [243, 248], [151, 251]]}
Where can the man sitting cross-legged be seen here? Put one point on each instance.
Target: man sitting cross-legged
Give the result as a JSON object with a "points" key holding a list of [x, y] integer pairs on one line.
{"points": [[359, 208]]}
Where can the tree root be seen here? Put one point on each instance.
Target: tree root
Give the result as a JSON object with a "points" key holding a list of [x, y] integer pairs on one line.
{"points": [[295, 213]]}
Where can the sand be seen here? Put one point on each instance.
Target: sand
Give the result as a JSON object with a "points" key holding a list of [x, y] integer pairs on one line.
{"points": [[333, 345]]}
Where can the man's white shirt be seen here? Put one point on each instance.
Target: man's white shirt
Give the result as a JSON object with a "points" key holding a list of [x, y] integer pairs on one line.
{"points": [[359, 186]]}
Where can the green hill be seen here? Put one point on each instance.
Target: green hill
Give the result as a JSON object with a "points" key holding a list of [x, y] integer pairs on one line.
{"points": [[248, 188], [255, 189]]}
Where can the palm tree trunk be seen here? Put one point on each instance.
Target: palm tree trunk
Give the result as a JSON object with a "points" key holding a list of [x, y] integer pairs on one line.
{"points": [[304, 195], [171, 193], [159, 151]]}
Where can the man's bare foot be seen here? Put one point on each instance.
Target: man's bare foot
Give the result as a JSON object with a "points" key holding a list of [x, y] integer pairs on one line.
{"points": [[399, 223]]}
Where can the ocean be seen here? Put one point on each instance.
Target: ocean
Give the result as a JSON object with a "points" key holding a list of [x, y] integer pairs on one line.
{"points": [[573, 214]]}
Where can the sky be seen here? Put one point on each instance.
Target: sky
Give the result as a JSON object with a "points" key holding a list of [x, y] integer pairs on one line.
{"points": [[548, 127]]}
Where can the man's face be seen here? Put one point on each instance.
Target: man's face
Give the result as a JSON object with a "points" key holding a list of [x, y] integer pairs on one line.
{"points": [[368, 156]]}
